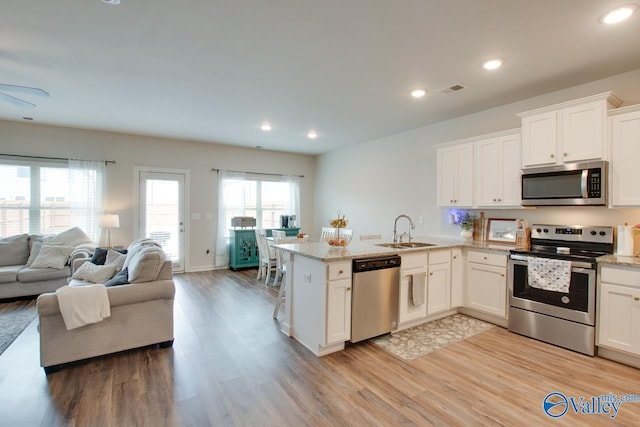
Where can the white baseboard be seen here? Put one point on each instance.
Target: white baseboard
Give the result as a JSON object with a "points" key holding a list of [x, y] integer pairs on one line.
{"points": [[197, 268]]}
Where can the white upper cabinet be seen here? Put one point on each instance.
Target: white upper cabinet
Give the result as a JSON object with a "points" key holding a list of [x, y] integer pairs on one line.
{"points": [[455, 176], [568, 132], [497, 170], [624, 172]]}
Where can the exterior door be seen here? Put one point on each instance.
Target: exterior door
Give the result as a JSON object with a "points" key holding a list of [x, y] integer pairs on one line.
{"points": [[162, 213]]}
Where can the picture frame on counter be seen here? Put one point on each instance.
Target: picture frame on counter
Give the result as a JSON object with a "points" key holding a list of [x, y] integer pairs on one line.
{"points": [[501, 230]]}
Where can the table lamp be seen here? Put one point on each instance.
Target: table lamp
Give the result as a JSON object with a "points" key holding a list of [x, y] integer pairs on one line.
{"points": [[109, 221]]}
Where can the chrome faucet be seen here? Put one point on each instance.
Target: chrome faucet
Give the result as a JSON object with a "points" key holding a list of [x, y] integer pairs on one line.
{"points": [[395, 228]]}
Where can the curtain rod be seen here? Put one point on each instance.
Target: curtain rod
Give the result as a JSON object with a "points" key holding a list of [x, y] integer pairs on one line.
{"points": [[106, 162], [255, 173]]}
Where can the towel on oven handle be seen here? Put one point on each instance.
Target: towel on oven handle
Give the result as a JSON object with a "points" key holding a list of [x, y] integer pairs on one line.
{"points": [[549, 274]]}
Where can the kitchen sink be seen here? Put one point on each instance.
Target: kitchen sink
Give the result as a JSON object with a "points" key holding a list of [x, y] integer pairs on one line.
{"points": [[405, 245]]}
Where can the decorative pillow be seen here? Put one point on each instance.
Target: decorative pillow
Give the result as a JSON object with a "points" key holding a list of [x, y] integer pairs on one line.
{"points": [[146, 264], [99, 256], [137, 246], [35, 250], [116, 259], [122, 278], [91, 272], [52, 256], [14, 250]]}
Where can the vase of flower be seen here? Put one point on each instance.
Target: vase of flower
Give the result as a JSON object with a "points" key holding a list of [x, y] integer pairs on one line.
{"points": [[465, 220]]}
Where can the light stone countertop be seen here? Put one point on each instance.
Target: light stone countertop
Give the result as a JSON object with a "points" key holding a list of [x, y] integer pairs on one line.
{"points": [[628, 261], [368, 248]]}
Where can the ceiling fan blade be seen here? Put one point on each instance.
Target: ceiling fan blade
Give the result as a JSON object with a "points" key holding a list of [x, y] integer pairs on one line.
{"points": [[24, 89], [16, 101]]}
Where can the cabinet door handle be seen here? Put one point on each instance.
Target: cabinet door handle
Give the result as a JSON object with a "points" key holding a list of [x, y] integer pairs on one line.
{"points": [[340, 271], [484, 258], [636, 298], [431, 274], [565, 154], [553, 155], [501, 275], [455, 257], [349, 288]]}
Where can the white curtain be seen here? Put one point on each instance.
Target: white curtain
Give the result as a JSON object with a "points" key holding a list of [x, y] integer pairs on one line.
{"points": [[86, 191], [222, 238], [294, 197]]}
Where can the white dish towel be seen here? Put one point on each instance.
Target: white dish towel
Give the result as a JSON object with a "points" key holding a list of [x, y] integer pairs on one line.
{"points": [[83, 305], [418, 286], [549, 274]]}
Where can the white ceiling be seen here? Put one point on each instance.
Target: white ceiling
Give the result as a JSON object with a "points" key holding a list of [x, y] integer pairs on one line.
{"points": [[213, 70]]}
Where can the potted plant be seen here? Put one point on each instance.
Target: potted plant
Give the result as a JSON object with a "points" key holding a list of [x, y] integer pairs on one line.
{"points": [[465, 221]]}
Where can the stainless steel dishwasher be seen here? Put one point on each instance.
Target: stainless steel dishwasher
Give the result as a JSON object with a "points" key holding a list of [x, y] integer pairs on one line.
{"points": [[374, 297]]}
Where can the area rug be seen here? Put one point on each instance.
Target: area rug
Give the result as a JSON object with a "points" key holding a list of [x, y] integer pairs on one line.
{"points": [[12, 324], [420, 340]]}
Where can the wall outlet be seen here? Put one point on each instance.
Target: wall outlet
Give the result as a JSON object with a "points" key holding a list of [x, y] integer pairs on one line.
{"points": [[421, 219], [307, 277]]}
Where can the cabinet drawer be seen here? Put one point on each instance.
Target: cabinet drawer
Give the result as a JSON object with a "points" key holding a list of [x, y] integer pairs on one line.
{"points": [[339, 270], [415, 260], [487, 258], [439, 257], [622, 276]]}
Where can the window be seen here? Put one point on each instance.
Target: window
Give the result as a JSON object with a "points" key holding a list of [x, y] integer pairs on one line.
{"points": [[262, 197], [263, 200], [37, 198]]}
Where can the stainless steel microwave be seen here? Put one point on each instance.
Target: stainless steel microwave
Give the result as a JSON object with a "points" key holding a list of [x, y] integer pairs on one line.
{"points": [[571, 184]]}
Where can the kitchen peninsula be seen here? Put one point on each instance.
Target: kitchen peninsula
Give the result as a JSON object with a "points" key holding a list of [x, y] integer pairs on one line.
{"points": [[319, 283]]}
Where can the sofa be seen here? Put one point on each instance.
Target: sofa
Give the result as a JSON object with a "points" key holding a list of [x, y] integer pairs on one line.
{"points": [[141, 310], [33, 264]]}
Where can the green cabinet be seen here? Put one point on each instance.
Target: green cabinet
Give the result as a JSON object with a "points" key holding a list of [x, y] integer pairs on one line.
{"points": [[243, 250]]}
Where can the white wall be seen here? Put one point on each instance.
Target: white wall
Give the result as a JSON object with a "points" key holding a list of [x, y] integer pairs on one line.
{"points": [[130, 151], [374, 182]]}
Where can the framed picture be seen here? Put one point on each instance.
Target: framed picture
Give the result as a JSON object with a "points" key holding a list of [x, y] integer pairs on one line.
{"points": [[501, 230]]}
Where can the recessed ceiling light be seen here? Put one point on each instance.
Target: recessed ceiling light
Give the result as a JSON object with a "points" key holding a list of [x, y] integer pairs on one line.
{"points": [[312, 134], [418, 93], [265, 126], [111, 1], [493, 64], [619, 14]]}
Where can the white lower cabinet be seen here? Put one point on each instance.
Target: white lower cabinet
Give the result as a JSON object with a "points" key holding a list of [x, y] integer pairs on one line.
{"points": [[413, 263], [338, 317], [439, 282], [486, 289], [457, 277], [619, 309]]}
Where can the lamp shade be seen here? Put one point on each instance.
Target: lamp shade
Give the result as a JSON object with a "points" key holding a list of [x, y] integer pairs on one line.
{"points": [[110, 221]]}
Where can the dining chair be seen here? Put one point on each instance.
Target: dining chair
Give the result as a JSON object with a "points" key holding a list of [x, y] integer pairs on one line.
{"points": [[281, 270], [327, 232], [266, 256], [278, 234], [370, 236]]}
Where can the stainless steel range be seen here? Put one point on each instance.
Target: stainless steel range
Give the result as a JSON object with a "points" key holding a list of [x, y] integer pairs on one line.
{"points": [[552, 286]]}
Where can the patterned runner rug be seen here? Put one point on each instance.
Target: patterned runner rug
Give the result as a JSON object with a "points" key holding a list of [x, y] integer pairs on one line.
{"points": [[420, 340]]}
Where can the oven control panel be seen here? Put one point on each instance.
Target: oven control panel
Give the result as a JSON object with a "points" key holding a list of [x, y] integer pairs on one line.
{"points": [[573, 233]]}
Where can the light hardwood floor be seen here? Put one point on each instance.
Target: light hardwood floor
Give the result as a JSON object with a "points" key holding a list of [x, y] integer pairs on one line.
{"points": [[230, 365]]}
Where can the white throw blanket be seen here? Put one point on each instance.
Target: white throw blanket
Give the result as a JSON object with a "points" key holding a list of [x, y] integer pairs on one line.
{"points": [[418, 286], [83, 305], [549, 274]]}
